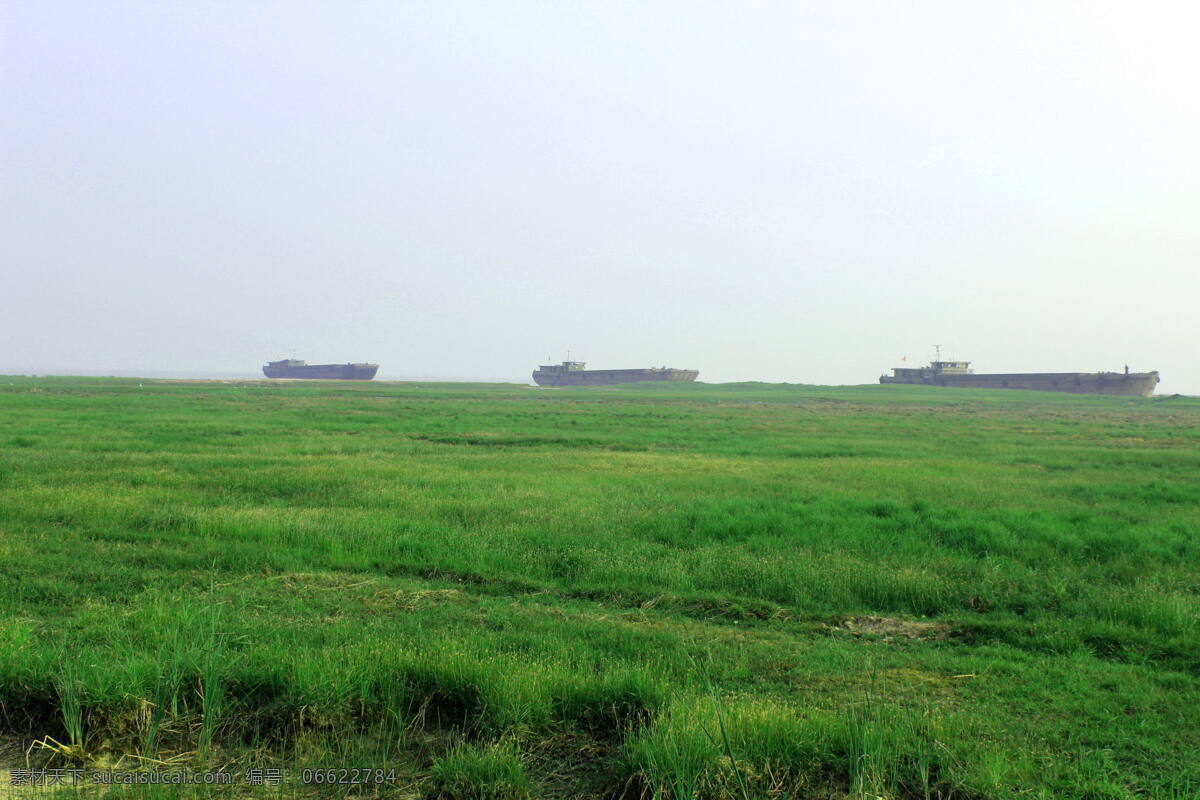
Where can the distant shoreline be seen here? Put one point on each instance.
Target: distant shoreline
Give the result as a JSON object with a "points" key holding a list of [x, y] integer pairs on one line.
{"points": [[217, 375]]}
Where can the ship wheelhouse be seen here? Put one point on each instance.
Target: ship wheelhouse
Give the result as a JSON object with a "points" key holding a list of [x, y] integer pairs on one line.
{"points": [[564, 367], [951, 367]]}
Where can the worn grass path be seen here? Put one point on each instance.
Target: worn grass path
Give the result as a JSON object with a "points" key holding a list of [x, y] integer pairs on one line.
{"points": [[683, 591]]}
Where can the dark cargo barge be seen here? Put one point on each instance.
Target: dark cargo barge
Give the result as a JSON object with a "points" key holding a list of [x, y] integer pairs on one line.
{"points": [[959, 374], [293, 368], [572, 373]]}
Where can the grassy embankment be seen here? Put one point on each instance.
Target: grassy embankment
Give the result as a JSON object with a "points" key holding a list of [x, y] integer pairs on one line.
{"points": [[673, 591]]}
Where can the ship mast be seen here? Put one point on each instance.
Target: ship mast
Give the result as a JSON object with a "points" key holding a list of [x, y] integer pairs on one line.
{"points": [[937, 348]]}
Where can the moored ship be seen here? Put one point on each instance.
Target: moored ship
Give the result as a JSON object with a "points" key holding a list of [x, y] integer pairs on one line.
{"points": [[960, 374], [572, 373], [294, 368]]}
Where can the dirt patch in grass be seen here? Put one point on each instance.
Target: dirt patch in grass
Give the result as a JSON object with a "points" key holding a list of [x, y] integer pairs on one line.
{"points": [[895, 628], [421, 598]]}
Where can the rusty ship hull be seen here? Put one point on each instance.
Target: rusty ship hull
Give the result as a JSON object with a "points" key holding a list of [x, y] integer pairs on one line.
{"points": [[300, 370], [572, 373], [1136, 384]]}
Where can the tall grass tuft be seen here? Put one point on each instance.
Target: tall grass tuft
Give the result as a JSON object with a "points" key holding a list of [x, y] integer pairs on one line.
{"points": [[70, 700], [738, 748], [163, 708], [472, 771], [212, 690]]}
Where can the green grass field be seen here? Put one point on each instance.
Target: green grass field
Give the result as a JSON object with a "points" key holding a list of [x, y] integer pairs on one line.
{"points": [[673, 591]]}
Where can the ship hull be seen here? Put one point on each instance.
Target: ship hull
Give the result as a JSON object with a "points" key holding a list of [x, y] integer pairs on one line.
{"points": [[1139, 384], [323, 372], [607, 377]]}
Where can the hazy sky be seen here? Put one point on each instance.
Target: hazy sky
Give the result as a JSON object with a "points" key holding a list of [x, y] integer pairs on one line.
{"points": [[800, 192]]}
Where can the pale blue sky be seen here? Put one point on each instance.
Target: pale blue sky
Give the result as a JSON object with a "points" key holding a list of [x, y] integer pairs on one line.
{"points": [[795, 192]]}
